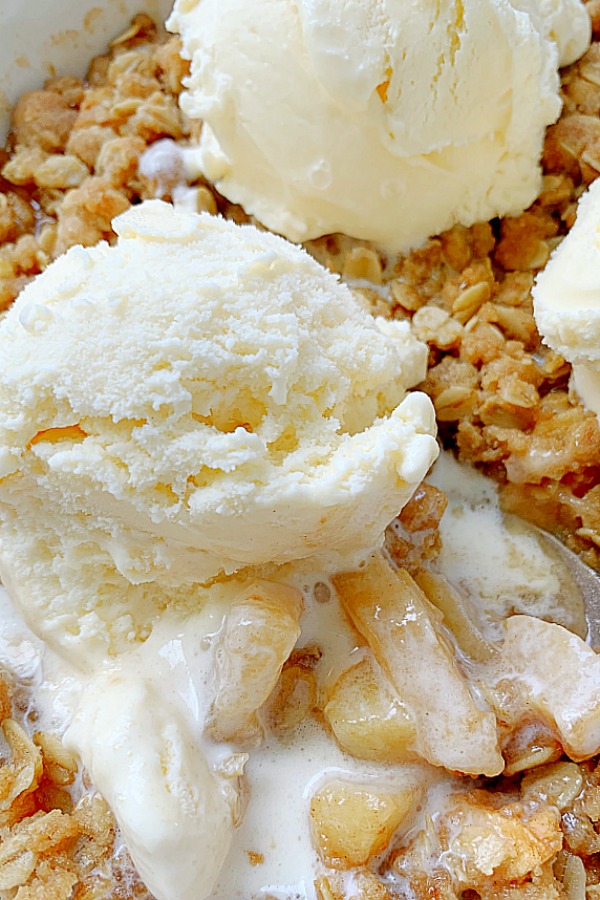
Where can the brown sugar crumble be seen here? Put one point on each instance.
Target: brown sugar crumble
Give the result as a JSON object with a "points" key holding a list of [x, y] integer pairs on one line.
{"points": [[502, 402]]}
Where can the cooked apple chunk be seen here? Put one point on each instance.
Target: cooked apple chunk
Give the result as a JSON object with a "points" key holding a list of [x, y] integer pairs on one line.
{"points": [[393, 615], [293, 701], [547, 669], [258, 636], [458, 617], [368, 721], [352, 822]]}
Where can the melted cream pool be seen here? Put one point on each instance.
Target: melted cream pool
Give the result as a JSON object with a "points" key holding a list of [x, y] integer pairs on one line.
{"points": [[499, 561], [157, 696]]}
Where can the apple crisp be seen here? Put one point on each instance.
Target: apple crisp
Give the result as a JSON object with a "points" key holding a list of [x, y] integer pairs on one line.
{"points": [[74, 161]]}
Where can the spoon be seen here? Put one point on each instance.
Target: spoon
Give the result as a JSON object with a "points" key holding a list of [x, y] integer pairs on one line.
{"points": [[586, 579]]}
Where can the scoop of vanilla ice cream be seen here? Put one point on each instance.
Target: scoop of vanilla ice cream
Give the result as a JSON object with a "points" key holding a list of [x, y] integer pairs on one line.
{"points": [[384, 120], [198, 398], [586, 382], [566, 299], [566, 22]]}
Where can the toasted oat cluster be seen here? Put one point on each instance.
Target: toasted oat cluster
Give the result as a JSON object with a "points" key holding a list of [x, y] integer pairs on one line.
{"points": [[502, 401], [72, 161]]}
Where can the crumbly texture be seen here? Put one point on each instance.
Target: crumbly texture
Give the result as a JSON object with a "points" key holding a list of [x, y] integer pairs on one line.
{"points": [[502, 402], [71, 164]]}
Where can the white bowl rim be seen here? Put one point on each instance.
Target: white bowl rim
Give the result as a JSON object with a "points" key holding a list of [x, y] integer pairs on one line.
{"points": [[42, 38]]}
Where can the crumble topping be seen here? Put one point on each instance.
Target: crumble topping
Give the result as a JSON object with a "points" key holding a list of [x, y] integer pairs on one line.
{"points": [[502, 402]]}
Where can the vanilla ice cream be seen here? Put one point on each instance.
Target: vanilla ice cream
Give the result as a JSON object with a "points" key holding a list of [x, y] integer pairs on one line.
{"points": [[566, 299], [144, 751], [196, 399], [384, 120], [566, 22]]}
